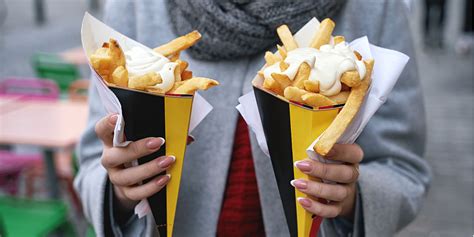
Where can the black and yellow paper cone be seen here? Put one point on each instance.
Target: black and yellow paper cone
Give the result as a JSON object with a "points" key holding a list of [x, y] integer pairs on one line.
{"points": [[289, 129], [151, 115]]}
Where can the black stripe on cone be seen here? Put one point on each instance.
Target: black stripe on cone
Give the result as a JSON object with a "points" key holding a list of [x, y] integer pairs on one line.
{"points": [[275, 116], [144, 117]]}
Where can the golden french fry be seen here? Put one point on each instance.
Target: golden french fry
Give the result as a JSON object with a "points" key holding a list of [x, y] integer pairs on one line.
{"points": [[345, 117], [106, 59], [118, 57], [179, 44], [160, 91], [196, 83], [358, 56], [316, 100], [185, 75], [294, 94], [177, 73], [144, 81], [120, 76], [302, 75], [283, 66], [282, 79], [271, 58], [311, 86], [282, 51], [260, 73], [286, 37], [351, 78], [323, 36], [339, 39], [182, 64], [271, 85], [340, 98], [174, 57]]}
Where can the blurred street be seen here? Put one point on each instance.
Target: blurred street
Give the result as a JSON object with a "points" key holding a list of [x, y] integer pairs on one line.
{"points": [[447, 79]]}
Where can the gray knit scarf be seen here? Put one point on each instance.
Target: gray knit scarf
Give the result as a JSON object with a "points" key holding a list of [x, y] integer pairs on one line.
{"points": [[238, 28]]}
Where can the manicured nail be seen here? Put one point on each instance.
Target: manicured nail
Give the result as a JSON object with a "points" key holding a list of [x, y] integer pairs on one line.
{"points": [[304, 166], [304, 202], [163, 180], [155, 143], [166, 161], [113, 119], [299, 184]]}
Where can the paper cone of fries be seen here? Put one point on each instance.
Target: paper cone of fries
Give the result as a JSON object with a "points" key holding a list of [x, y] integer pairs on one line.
{"points": [[289, 129], [312, 87], [146, 114], [150, 115]]}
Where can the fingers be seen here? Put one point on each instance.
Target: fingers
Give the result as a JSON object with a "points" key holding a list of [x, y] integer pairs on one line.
{"points": [[333, 192], [340, 173], [143, 191], [136, 174], [349, 153], [324, 210], [116, 156], [105, 129]]}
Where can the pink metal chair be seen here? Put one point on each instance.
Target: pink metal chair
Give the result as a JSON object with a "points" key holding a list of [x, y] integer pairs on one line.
{"points": [[11, 166], [29, 88]]}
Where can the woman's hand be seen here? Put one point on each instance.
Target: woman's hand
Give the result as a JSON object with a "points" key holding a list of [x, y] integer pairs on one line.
{"points": [[342, 193], [126, 181]]}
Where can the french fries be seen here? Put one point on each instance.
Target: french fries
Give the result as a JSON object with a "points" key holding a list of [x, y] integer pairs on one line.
{"points": [[106, 59], [282, 79], [286, 37], [179, 44], [144, 81], [192, 85], [348, 112], [271, 58], [109, 62], [302, 75], [311, 86], [317, 100], [351, 78], [304, 87], [324, 33]]}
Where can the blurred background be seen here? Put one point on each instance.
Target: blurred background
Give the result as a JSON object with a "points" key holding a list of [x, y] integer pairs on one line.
{"points": [[41, 119]]}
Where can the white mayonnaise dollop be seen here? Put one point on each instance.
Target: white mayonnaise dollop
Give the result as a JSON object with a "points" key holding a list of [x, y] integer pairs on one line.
{"points": [[140, 61], [327, 65]]}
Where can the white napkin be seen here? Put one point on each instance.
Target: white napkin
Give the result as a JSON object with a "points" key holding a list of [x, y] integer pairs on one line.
{"points": [[388, 66], [93, 34]]}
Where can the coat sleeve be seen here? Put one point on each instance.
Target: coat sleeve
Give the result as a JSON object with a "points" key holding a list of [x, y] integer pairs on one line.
{"points": [[91, 181], [394, 177]]}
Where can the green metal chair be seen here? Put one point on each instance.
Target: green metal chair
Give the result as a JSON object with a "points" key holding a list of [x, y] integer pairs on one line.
{"points": [[23, 217], [52, 67]]}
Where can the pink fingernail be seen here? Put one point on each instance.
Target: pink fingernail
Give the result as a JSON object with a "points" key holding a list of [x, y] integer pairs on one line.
{"points": [[113, 119], [304, 166], [166, 161], [155, 143], [163, 180], [299, 184], [304, 202]]}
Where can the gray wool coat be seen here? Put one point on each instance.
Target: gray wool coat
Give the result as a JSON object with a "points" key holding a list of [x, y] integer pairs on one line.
{"points": [[393, 176]]}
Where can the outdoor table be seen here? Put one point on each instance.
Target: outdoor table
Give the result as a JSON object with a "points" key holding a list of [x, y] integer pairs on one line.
{"points": [[51, 125], [74, 56]]}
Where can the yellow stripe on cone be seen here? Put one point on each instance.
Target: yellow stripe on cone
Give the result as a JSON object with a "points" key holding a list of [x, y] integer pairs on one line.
{"points": [[177, 116], [306, 125]]}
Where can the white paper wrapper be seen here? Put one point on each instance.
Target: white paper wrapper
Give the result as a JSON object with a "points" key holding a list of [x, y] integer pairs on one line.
{"points": [[388, 66], [93, 34]]}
